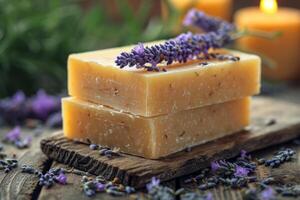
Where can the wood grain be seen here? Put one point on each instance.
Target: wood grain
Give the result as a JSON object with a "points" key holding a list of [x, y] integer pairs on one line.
{"points": [[137, 171], [17, 185]]}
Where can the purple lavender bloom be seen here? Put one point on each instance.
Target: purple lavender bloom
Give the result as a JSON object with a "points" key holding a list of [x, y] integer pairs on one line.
{"points": [[43, 104], [243, 154], [18, 98], [13, 135], [139, 49], [214, 166], [186, 46], [61, 179], [267, 194], [241, 171], [154, 183], [189, 18], [100, 187]]}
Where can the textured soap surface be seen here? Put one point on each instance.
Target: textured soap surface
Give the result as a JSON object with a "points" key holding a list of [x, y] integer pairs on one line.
{"points": [[93, 76], [152, 137]]}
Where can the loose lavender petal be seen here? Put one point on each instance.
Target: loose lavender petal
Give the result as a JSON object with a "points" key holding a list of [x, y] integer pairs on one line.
{"points": [[61, 179], [100, 187], [13, 135], [268, 194], [154, 183], [214, 166], [241, 171]]}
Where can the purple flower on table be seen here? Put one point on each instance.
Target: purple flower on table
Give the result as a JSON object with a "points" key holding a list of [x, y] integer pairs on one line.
{"points": [[241, 171], [61, 179], [43, 104], [100, 187], [13, 135], [267, 194], [214, 166], [154, 183]]}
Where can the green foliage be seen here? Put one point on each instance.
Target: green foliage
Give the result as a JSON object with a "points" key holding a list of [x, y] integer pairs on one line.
{"points": [[36, 36]]}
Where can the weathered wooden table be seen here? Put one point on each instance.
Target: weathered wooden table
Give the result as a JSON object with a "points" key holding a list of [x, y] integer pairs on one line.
{"points": [[17, 185]]}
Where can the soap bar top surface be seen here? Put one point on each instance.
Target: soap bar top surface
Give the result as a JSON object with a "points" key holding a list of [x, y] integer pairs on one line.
{"points": [[93, 76], [152, 137]]}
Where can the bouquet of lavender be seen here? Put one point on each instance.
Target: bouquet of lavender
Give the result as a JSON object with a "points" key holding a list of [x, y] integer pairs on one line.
{"points": [[186, 46]]}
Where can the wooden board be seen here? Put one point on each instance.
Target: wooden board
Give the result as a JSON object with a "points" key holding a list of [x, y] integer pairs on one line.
{"points": [[273, 122]]}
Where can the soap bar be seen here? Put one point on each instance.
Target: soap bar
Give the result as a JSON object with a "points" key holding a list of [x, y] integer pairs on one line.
{"points": [[152, 137], [93, 76]]}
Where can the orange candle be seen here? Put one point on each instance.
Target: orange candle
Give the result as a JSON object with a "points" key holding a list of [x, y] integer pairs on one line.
{"points": [[218, 8], [285, 49]]}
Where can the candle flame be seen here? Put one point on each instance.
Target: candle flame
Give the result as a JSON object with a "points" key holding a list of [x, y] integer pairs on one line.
{"points": [[268, 6]]}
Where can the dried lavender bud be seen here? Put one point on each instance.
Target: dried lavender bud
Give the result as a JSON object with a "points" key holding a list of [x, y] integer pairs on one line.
{"points": [[28, 169], [61, 179], [186, 46], [268, 194], [280, 157], [93, 146], [154, 183]]}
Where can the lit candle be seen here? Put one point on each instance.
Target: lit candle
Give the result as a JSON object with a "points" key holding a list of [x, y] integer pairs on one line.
{"points": [[283, 50]]}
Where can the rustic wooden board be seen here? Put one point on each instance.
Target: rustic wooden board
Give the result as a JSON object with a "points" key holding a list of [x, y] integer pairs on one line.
{"points": [[273, 122]]}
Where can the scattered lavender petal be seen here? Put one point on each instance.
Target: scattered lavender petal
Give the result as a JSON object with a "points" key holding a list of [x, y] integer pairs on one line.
{"points": [[268, 194], [241, 171], [154, 183], [13, 135], [61, 179]]}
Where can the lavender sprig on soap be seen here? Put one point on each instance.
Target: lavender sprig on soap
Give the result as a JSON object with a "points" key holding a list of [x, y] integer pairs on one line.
{"points": [[186, 46]]}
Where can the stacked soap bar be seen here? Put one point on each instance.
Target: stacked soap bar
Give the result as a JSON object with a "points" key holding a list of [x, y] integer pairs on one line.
{"points": [[154, 114]]}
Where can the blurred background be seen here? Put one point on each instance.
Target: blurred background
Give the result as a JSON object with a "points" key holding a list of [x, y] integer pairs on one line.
{"points": [[36, 36]]}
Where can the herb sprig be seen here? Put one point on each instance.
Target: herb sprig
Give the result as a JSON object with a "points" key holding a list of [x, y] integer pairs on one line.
{"points": [[186, 46]]}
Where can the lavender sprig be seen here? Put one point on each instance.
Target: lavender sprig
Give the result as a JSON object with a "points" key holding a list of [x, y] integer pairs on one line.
{"points": [[186, 46]]}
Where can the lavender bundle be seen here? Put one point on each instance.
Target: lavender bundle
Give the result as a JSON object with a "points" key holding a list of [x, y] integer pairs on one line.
{"points": [[186, 46]]}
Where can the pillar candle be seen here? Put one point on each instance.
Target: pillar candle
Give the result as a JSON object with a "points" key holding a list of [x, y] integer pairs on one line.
{"points": [[283, 50]]}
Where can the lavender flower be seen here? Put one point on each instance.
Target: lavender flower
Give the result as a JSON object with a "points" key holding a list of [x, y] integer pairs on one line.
{"points": [[186, 46], [100, 187], [154, 183], [18, 98], [13, 135], [268, 194], [43, 104], [214, 166], [241, 171], [61, 179]]}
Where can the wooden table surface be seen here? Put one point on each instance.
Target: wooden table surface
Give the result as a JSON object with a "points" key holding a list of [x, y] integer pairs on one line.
{"points": [[17, 185]]}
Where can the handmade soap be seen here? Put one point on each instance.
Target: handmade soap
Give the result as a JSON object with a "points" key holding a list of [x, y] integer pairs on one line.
{"points": [[93, 76], [152, 137]]}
